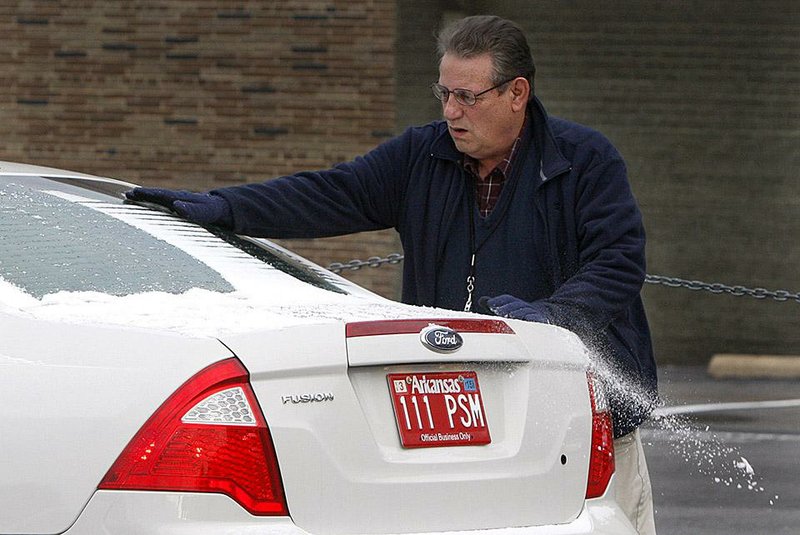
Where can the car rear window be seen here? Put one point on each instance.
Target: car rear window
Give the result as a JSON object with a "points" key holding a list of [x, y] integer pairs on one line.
{"points": [[68, 235], [49, 244]]}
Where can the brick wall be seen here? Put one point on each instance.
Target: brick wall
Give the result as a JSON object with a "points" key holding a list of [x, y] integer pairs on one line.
{"points": [[702, 100], [198, 94]]}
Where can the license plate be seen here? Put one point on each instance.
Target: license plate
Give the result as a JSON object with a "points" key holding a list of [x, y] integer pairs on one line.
{"points": [[438, 409]]}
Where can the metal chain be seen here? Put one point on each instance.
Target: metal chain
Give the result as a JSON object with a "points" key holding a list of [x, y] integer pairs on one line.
{"points": [[671, 282], [373, 261], [718, 288]]}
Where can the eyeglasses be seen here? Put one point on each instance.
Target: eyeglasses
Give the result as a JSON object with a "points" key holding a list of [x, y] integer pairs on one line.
{"points": [[463, 96]]}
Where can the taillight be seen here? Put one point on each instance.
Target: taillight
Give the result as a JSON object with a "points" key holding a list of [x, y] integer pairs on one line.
{"points": [[601, 459], [209, 436]]}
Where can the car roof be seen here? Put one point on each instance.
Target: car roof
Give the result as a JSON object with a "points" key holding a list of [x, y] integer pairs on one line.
{"points": [[24, 169]]}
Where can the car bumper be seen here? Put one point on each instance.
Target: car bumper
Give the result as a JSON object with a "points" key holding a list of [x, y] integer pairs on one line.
{"points": [[168, 513]]}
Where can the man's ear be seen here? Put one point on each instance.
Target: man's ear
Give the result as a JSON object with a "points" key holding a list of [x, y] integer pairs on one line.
{"points": [[520, 90]]}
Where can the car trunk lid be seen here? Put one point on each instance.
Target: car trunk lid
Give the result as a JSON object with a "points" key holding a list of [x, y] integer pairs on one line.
{"points": [[328, 397]]}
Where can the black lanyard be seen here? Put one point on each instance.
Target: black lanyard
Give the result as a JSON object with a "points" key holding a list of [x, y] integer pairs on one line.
{"points": [[473, 249]]}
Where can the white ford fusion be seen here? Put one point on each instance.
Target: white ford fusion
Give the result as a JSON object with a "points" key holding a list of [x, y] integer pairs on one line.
{"points": [[160, 377]]}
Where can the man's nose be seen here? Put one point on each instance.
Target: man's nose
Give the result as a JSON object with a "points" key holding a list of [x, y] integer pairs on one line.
{"points": [[452, 109]]}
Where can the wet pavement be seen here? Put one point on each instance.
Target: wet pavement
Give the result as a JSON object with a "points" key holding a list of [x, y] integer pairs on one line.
{"points": [[729, 465]]}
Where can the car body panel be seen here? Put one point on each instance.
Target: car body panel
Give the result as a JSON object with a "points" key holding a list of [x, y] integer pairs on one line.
{"points": [[77, 395], [134, 513], [23, 169]]}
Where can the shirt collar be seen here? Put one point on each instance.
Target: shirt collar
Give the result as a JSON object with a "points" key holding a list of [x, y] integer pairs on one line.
{"points": [[552, 161], [472, 165]]}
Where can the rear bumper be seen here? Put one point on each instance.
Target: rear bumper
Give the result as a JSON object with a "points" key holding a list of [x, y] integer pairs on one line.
{"points": [[168, 513]]}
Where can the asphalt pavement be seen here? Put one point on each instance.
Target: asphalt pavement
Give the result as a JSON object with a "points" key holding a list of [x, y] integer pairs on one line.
{"points": [[724, 454]]}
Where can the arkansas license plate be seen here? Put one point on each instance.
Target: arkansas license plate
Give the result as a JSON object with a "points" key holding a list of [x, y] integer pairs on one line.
{"points": [[438, 409]]}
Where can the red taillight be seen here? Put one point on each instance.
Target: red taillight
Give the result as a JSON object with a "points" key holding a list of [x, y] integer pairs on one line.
{"points": [[209, 436], [601, 459]]}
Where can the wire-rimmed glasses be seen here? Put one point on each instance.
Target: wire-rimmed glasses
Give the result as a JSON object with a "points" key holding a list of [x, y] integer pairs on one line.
{"points": [[463, 96]]}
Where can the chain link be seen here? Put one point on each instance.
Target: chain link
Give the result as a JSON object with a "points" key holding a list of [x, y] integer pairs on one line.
{"points": [[470, 289], [372, 261], [718, 288], [671, 282]]}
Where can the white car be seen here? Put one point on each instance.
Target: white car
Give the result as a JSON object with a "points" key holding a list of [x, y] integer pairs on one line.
{"points": [[161, 377]]}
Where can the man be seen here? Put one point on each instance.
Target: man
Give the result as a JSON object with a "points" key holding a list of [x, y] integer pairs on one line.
{"points": [[500, 209]]}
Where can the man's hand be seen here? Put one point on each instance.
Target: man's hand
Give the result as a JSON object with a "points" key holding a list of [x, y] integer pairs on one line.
{"points": [[202, 208], [508, 306]]}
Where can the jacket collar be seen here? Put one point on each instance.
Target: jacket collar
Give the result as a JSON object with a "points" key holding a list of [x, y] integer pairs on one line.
{"points": [[552, 163]]}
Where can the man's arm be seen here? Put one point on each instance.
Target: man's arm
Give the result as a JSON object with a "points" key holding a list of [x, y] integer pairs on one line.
{"points": [[356, 196], [360, 195]]}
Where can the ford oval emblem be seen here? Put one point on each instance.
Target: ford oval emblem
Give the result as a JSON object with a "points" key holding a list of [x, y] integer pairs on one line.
{"points": [[440, 339]]}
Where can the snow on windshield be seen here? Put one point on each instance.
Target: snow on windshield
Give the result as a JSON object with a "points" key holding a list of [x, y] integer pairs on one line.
{"points": [[50, 243], [65, 257]]}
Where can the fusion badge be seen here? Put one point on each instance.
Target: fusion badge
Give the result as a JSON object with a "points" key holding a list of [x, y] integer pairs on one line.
{"points": [[440, 339]]}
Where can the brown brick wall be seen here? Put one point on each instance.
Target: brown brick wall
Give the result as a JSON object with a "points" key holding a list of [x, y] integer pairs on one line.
{"points": [[199, 93]]}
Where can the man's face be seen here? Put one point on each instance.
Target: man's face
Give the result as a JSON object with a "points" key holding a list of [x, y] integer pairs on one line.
{"points": [[487, 130]]}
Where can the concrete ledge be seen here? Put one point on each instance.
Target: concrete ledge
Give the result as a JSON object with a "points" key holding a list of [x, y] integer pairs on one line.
{"points": [[727, 366]]}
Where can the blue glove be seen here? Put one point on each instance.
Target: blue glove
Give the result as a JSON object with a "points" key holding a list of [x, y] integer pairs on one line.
{"points": [[508, 306], [202, 208]]}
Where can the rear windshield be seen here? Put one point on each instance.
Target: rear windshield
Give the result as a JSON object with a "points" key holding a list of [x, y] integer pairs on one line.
{"points": [[60, 235]]}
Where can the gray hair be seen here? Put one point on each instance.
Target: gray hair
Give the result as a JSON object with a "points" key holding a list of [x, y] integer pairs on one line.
{"points": [[501, 38]]}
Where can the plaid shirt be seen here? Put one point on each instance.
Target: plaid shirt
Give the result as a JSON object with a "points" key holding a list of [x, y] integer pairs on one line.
{"points": [[488, 188]]}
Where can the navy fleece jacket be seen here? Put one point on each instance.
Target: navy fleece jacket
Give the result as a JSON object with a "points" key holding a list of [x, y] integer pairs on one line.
{"points": [[566, 235]]}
